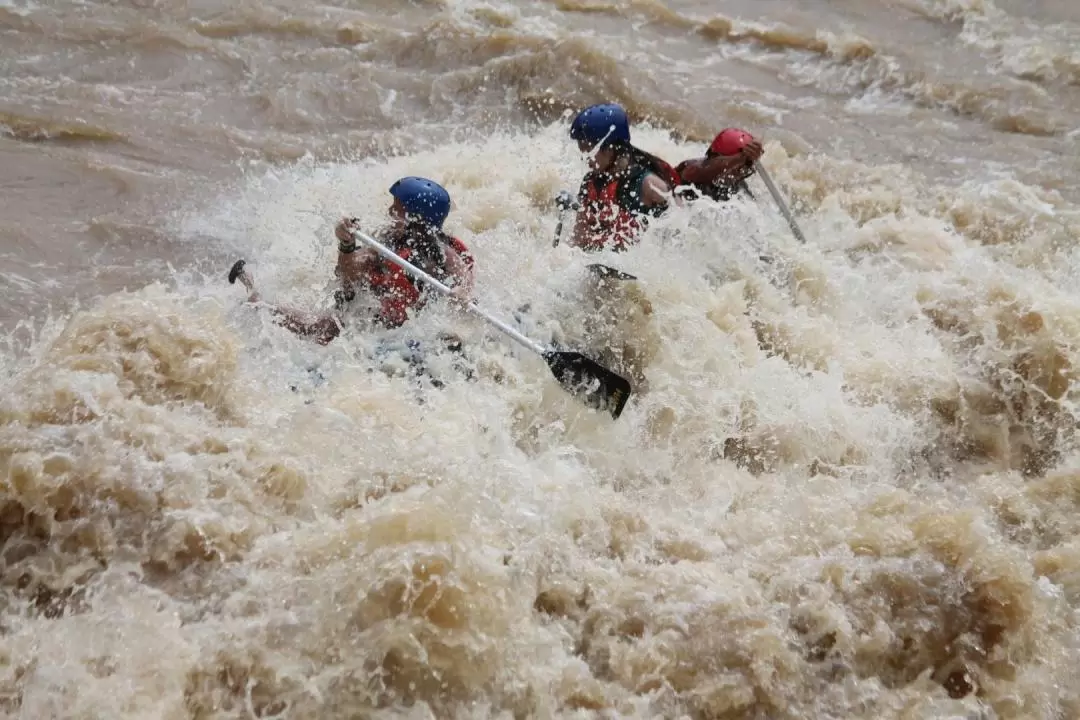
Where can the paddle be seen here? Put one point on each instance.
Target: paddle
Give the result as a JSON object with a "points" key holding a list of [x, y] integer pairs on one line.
{"points": [[608, 273], [566, 202], [598, 387], [780, 202]]}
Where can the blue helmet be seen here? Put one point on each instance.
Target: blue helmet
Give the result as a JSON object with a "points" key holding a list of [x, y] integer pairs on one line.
{"points": [[607, 122], [424, 199]]}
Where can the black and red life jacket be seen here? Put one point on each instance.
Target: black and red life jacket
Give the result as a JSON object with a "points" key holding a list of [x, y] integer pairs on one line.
{"points": [[611, 206], [398, 292]]}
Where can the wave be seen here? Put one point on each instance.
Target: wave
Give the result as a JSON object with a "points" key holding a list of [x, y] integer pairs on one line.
{"points": [[844, 480], [35, 129]]}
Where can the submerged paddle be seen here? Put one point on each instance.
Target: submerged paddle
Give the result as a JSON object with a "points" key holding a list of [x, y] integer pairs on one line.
{"points": [[609, 273], [598, 387], [566, 202]]}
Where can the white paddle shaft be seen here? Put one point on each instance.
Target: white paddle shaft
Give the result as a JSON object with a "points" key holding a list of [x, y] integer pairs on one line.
{"points": [[421, 275]]}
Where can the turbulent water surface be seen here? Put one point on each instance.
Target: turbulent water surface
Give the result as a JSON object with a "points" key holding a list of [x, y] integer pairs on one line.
{"points": [[847, 484]]}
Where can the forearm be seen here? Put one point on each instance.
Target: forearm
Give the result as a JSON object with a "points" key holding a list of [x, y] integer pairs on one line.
{"points": [[352, 259], [654, 193], [460, 273], [351, 266], [718, 168]]}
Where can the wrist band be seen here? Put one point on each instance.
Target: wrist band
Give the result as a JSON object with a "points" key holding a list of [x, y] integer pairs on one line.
{"points": [[348, 247]]}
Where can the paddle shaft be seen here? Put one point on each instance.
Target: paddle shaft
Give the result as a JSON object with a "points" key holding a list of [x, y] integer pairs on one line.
{"points": [[420, 274], [780, 202]]}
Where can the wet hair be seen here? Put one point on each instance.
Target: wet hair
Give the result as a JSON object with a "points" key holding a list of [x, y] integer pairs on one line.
{"points": [[639, 157], [428, 242]]}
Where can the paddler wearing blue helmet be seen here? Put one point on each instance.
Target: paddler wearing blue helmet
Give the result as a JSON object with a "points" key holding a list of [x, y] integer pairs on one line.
{"points": [[625, 186], [415, 233]]}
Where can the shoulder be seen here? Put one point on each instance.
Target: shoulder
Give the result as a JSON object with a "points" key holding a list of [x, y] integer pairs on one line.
{"points": [[670, 174], [687, 170], [648, 179], [591, 178], [669, 177], [635, 175], [691, 164], [460, 248], [633, 192], [654, 190]]}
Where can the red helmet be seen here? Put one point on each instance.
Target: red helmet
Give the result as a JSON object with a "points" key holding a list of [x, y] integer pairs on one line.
{"points": [[730, 142]]}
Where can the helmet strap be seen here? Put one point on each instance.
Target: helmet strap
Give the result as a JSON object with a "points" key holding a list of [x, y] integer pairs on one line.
{"points": [[599, 144]]}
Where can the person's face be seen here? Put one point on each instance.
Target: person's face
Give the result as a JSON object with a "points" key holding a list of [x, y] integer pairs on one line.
{"points": [[397, 213], [601, 159]]}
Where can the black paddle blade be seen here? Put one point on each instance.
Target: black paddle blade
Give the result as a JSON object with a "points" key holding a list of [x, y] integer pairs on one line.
{"points": [[235, 270], [610, 273], [598, 387]]}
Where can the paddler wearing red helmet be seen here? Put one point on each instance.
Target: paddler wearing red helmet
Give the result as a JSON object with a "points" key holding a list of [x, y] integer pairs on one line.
{"points": [[728, 162]]}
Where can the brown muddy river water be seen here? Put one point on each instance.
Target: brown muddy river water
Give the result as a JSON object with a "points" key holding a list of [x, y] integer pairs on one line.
{"points": [[847, 484]]}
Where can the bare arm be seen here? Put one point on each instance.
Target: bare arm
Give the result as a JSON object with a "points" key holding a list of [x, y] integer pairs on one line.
{"points": [[654, 191], [351, 267], [721, 167], [463, 275], [352, 264]]}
